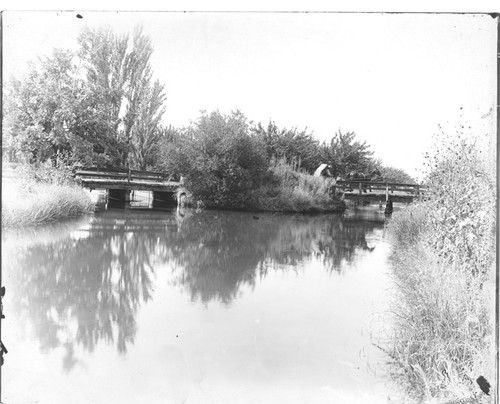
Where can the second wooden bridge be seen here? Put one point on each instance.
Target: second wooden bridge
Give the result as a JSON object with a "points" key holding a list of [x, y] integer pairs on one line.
{"points": [[379, 191]]}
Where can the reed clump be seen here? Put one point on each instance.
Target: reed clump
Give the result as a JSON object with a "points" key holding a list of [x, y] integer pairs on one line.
{"points": [[443, 250], [26, 202], [287, 189]]}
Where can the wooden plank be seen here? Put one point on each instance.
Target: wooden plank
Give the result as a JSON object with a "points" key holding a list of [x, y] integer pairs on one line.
{"points": [[123, 178], [125, 181], [121, 171], [170, 187], [101, 175], [379, 183], [118, 174]]}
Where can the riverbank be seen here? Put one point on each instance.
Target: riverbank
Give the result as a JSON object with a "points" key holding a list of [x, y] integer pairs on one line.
{"points": [[30, 203], [443, 255]]}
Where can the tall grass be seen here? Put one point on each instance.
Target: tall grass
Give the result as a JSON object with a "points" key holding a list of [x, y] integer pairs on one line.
{"points": [[443, 267], [37, 203], [287, 189]]}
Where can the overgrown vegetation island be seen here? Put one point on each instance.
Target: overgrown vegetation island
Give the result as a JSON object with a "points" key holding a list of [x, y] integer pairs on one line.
{"points": [[443, 259], [99, 106]]}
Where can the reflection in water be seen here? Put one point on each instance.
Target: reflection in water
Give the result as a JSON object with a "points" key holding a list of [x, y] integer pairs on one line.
{"points": [[83, 282], [218, 252]]}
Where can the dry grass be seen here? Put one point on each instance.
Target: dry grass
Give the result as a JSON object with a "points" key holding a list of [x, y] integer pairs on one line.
{"points": [[442, 336], [35, 203], [443, 267], [294, 191]]}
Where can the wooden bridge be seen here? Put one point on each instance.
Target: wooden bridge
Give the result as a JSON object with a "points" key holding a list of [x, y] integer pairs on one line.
{"points": [[119, 184], [360, 190]]}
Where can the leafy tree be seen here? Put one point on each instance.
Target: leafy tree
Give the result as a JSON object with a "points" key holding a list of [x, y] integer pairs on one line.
{"points": [[298, 148], [346, 154], [392, 174], [171, 150], [119, 77], [97, 106], [39, 108], [221, 160]]}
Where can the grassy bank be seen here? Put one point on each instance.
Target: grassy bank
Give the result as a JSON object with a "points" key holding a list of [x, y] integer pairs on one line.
{"points": [[26, 202], [443, 253]]}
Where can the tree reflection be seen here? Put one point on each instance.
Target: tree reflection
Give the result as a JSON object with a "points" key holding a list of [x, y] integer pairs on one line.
{"points": [[86, 286], [221, 251]]}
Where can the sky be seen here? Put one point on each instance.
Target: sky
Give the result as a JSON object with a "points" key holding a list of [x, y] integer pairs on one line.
{"points": [[390, 78]]}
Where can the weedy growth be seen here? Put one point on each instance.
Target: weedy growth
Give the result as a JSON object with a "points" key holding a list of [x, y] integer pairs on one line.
{"points": [[443, 267], [26, 203]]}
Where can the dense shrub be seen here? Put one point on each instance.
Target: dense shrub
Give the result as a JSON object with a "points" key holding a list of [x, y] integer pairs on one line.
{"points": [[462, 190], [222, 163], [59, 172]]}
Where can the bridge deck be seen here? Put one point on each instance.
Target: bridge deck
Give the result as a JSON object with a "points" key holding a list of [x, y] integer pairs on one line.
{"points": [[378, 191], [137, 185], [127, 180]]}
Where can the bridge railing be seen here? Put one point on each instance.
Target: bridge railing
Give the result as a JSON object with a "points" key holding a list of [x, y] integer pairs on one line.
{"points": [[388, 187], [92, 174]]}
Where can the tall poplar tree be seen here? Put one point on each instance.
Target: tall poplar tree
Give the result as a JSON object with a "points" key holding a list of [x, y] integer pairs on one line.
{"points": [[119, 75], [146, 134]]}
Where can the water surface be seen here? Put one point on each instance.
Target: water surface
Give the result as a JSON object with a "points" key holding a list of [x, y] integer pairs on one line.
{"points": [[140, 306]]}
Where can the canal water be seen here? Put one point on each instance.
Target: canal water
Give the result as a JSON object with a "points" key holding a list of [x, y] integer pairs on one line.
{"points": [[143, 306]]}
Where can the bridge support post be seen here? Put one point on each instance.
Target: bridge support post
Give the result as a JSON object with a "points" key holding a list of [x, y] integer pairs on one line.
{"points": [[360, 188], [386, 192], [163, 199], [388, 208]]}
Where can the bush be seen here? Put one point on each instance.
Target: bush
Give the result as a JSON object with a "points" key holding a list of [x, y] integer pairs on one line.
{"points": [[463, 212], [47, 173]]}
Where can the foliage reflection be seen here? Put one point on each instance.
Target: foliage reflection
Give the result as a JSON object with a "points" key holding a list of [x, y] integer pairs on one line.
{"points": [[82, 283]]}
